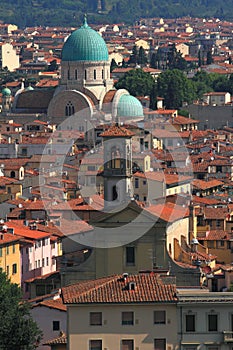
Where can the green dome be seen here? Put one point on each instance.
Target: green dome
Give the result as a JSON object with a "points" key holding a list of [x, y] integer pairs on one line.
{"points": [[85, 44], [129, 106], [29, 88], [6, 92]]}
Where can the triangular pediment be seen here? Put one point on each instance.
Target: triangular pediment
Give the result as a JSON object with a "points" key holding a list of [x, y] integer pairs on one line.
{"points": [[126, 214]]}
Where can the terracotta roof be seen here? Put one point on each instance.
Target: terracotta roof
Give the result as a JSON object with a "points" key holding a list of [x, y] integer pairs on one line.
{"points": [[62, 339], [203, 185], [169, 179], [52, 304], [216, 213], [205, 200], [117, 131], [8, 238], [168, 212], [215, 235], [115, 289]]}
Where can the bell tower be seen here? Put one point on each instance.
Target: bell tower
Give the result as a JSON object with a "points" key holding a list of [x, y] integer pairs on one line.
{"points": [[117, 173]]}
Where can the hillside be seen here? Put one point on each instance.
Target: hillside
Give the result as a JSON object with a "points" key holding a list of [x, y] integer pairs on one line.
{"points": [[69, 12]]}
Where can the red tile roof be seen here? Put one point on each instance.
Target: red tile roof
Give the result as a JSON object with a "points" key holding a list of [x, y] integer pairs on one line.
{"points": [[52, 304], [117, 131], [115, 289], [215, 235], [168, 212], [203, 185]]}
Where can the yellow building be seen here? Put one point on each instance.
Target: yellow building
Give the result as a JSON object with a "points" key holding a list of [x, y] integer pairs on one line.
{"points": [[10, 256], [122, 312]]}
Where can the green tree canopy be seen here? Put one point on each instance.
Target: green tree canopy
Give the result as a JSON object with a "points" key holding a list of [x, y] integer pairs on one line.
{"points": [[137, 82], [175, 59], [18, 331], [175, 88]]}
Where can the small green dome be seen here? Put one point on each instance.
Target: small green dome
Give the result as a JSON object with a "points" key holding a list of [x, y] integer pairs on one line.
{"points": [[129, 106], [85, 44], [6, 92], [29, 88]]}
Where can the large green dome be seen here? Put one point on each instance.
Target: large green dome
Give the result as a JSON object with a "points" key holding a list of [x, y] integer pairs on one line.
{"points": [[85, 44], [129, 106]]}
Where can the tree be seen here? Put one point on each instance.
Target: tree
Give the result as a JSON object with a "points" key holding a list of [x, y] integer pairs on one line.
{"points": [[209, 58], [137, 82], [175, 59], [199, 59], [142, 58], [113, 65], [53, 66], [175, 88], [153, 61], [134, 56], [18, 331]]}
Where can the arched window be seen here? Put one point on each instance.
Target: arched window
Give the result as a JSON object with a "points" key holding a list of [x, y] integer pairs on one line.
{"points": [[69, 109], [114, 193], [94, 74], [115, 158]]}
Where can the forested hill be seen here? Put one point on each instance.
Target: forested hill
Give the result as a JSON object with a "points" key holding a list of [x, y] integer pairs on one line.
{"points": [[69, 12]]}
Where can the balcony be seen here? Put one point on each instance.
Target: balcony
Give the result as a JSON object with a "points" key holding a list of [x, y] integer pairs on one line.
{"points": [[228, 336]]}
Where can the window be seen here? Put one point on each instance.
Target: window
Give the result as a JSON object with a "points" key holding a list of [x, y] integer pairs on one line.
{"points": [[218, 223], [76, 74], [7, 249], [159, 317], [94, 74], [0, 252], [130, 256], [69, 109], [127, 318], [136, 182], [24, 151], [96, 344], [91, 167], [222, 243], [85, 74], [190, 323], [13, 248], [56, 325], [42, 262], [127, 344], [14, 269], [7, 270], [212, 323], [159, 344], [95, 318]]}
